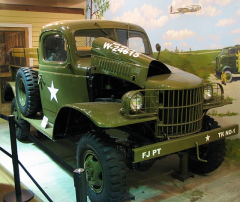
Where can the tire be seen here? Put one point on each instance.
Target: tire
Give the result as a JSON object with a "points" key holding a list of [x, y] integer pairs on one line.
{"points": [[104, 166], [214, 153], [21, 135], [27, 91], [229, 76]]}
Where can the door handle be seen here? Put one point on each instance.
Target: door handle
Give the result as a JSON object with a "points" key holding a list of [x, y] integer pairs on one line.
{"points": [[40, 80]]}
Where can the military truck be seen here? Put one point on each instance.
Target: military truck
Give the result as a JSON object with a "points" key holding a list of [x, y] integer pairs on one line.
{"points": [[226, 62], [99, 80]]}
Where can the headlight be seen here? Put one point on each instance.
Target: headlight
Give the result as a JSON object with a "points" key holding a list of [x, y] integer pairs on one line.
{"points": [[208, 92], [136, 101], [132, 101]]}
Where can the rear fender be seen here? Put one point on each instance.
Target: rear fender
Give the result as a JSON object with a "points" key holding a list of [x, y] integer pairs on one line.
{"points": [[10, 91]]}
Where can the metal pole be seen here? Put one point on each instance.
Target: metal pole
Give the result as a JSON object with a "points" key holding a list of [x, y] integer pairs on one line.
{"points": [[18, 195], [15, 157], [80, 185]]}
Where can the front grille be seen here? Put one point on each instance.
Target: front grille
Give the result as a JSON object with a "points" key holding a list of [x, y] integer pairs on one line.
{"points": [[180, 112]]}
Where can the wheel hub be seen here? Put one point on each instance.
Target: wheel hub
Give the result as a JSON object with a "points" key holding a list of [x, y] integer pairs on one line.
{"points": [[22, 92], [94, 172]]}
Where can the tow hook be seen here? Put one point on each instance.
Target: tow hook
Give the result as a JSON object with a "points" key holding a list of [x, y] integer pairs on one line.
{"points": [[198, 157]]}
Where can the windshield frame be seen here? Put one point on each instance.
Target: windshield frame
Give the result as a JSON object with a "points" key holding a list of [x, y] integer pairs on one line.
{"points": [[113, 34]]}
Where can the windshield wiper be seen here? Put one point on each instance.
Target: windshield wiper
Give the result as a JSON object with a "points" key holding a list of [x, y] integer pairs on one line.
{"points": [[97, 25]]}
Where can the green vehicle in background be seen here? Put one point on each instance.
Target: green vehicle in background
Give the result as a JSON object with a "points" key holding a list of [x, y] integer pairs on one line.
{"points": [[226, 62], [98, 79]]}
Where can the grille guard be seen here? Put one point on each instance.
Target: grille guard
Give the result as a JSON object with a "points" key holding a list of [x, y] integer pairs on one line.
{"points": [[179, 112]]}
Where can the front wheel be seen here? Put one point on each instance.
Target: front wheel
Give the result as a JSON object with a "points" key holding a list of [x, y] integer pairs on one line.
{"points": [[104, 166], [228, 76]]}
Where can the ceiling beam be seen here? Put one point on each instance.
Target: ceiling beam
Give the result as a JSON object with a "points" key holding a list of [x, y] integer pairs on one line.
{"points": [[41, 9]]}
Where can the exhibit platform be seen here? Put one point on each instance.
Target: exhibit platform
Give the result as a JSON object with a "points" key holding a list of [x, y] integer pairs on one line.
{"points": [[55, 181], [154, 185]]}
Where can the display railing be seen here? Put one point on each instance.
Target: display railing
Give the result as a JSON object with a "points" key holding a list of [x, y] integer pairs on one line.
{"points": [[26, 195]]}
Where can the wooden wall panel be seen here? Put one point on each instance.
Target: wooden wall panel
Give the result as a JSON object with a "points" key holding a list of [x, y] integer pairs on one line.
{"points": [[41, 8], [36, 19]]}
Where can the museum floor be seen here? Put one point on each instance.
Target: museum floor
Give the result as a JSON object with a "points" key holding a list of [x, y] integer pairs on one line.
{"points": [[7, 184], [151, 186]]}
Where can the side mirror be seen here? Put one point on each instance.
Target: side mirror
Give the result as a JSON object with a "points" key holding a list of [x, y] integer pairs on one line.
{"points": [[158, 48]]}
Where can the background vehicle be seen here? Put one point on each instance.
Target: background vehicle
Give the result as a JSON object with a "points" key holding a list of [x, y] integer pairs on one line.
{"points": [[99, 80], [226, 62]]}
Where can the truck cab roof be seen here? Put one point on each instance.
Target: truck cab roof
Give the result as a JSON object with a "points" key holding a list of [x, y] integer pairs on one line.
{"points": [[73, 25]]}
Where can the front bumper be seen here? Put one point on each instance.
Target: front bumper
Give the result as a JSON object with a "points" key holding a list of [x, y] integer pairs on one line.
{"points": [[183, 143]]}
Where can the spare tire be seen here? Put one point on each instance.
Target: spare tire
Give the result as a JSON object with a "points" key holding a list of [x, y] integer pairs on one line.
{"points": [[27, 91]]}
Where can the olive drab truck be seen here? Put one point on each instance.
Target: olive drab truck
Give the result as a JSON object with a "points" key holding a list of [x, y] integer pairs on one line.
{"points": [[98, 79], [228, 61]]}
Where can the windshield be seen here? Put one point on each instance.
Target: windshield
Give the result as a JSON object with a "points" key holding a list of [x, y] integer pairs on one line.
{"points": [[232, 51], [84, 39], [225, 50], [132, 39]]}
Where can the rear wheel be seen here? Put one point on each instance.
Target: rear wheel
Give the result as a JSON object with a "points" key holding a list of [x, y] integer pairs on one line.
{"points": [[214, 152], [20, 134], [104, 166]]}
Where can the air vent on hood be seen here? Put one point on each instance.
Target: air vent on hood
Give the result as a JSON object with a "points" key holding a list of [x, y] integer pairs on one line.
{"points": [[157, 68]]}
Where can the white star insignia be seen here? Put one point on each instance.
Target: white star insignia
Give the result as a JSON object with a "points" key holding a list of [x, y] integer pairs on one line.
{"points": [[53, 92], [207, 138]]}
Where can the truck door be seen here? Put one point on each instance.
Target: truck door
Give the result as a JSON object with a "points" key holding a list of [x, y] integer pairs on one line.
{"points": [[232, 59], [55, 73]]}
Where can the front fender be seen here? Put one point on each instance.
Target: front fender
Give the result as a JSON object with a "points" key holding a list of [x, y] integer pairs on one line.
{"points": [[224, 68], [106, 114]]}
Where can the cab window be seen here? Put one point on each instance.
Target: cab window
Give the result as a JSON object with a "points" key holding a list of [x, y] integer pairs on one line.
{"points": [[84, 39], [134, 40], [55, 48]]}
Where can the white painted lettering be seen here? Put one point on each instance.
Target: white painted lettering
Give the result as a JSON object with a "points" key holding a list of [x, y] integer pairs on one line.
{"points": [[159, 151], [146, 154], [154, 152], [226, 133], [107, 45], [221, 134], [116, 47]]}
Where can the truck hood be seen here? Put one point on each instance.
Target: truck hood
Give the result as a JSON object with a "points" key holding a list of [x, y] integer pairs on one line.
{"points": [[177, 80], [117, 60]]}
